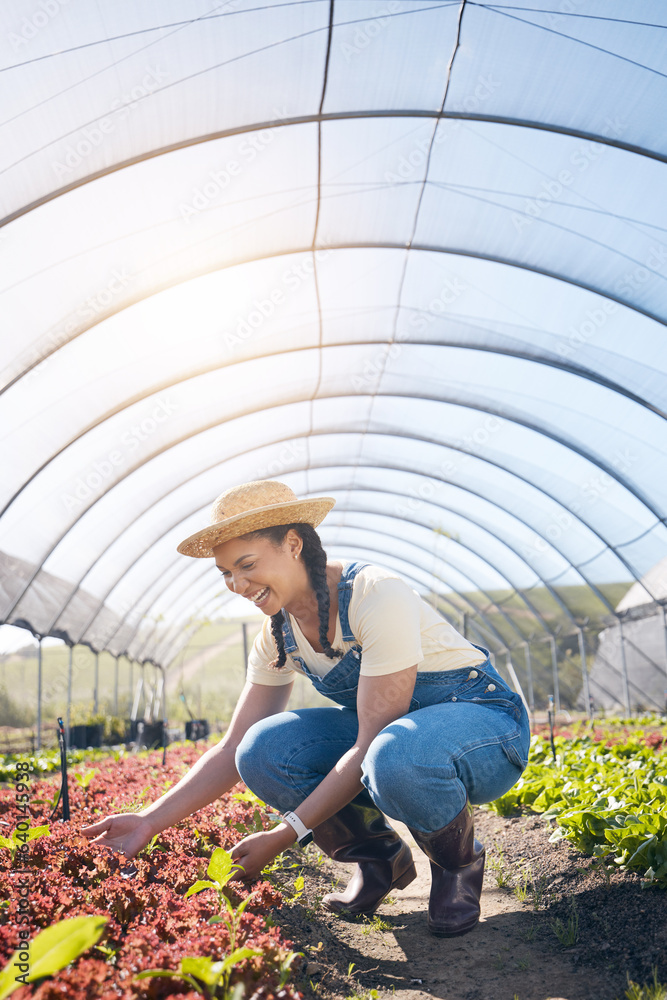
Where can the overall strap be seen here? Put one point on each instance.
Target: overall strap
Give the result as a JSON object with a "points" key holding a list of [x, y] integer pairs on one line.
{"points": [[344, 596], [288, 636]]}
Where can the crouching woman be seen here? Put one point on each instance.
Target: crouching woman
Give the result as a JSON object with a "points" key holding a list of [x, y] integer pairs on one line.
{"points": [[421, 726]]}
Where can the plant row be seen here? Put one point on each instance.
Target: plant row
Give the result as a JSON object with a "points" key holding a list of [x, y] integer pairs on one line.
{"points": [[171, 922], [608, 798]]}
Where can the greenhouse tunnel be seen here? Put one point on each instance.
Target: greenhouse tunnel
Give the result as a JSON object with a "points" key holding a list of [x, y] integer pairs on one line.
{"points": [[408, 254]]}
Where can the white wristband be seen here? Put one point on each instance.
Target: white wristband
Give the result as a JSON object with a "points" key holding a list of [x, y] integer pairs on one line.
{"points": [[303, 834]]}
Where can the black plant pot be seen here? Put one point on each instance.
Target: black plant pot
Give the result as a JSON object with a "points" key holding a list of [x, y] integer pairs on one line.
{"points": [[147, 734], [81, 737], [196, 729]]}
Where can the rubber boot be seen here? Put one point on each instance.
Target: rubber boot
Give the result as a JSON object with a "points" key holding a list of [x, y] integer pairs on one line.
{"points": [[457, 872], [359, 832]]}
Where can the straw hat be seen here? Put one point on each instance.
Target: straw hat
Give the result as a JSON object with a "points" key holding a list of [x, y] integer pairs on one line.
{"points": [[252, 506]]}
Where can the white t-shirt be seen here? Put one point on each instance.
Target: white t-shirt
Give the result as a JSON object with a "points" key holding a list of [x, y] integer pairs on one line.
{"points": [[392, 624]]}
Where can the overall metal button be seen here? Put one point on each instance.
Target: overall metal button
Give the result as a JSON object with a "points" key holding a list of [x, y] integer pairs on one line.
{"points": [[472, 674], [454, 698], [491, 687]]}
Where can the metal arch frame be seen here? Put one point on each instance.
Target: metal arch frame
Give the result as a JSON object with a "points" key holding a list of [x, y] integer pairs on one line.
{"points": [[369, 245], [174, 650], [573, 370], [174, 625], [335, 116], [389, 492], [201, 591], [408, 575], [513, 627], [512, 586], [465, 575], [492, 630], [490, 410], [482, 527], [277, 441], [533, 569], [89, 621], [451, 447], [459, 571], [173, 573], [176, 562]]}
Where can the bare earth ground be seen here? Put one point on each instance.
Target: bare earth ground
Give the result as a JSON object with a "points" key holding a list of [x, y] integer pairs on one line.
{"points": [[513, 954]]}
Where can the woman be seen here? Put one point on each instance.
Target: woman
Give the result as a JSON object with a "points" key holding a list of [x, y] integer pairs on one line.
{"points": [[423, 725]]}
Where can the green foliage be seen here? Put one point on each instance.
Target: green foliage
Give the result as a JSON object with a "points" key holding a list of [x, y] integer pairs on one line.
{"points": [[375, 923], [652, 991], [206, 976], [221, 869], [45, 761], [52, 949], [84, 779], [21, 837], [567, 932], [499, 867], [609, 801]]}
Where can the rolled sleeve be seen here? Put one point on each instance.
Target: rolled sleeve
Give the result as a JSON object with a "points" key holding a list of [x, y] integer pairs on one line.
{"points": [[262, 654]]}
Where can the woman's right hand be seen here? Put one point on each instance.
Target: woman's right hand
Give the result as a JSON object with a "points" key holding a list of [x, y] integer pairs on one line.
{"points": [[123, 832]]}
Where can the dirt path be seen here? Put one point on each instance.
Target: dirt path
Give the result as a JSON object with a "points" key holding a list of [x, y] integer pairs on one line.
{"points": [[513, 954], [501, 959]]}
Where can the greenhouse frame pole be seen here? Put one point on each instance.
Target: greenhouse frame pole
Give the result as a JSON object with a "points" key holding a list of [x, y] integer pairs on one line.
{"points": [[664, 634], [624, 670], [39, 694], [69, 691], [515, 680], [554, 667], [529, 671], [97, 680], [584, 674], [115, 689], [244, 628]]}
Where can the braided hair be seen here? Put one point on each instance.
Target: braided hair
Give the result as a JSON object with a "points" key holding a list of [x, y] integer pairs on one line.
{"points": [[315, 561]]}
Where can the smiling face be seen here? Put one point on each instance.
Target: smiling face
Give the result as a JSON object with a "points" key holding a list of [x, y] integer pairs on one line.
{"points": [[271, 576]]}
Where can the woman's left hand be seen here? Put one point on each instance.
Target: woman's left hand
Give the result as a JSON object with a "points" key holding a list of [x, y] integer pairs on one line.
{"points": [[257, 850]]}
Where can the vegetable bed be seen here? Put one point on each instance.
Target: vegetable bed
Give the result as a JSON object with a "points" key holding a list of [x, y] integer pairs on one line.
{"points": [[606, 792], [133, 917]]}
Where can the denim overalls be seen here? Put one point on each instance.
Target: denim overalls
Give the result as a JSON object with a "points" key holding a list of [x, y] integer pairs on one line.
{"points": [[465, 732]]}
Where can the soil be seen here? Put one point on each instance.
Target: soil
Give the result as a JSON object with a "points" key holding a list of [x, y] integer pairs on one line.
{"points": [[513, 954]]}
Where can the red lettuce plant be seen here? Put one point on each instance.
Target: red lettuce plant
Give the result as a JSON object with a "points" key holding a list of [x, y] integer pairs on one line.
{"points": [[151, 923]]}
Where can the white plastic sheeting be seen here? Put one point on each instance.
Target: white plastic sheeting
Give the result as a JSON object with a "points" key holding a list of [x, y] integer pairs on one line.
{"points": [[409, 254]]}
